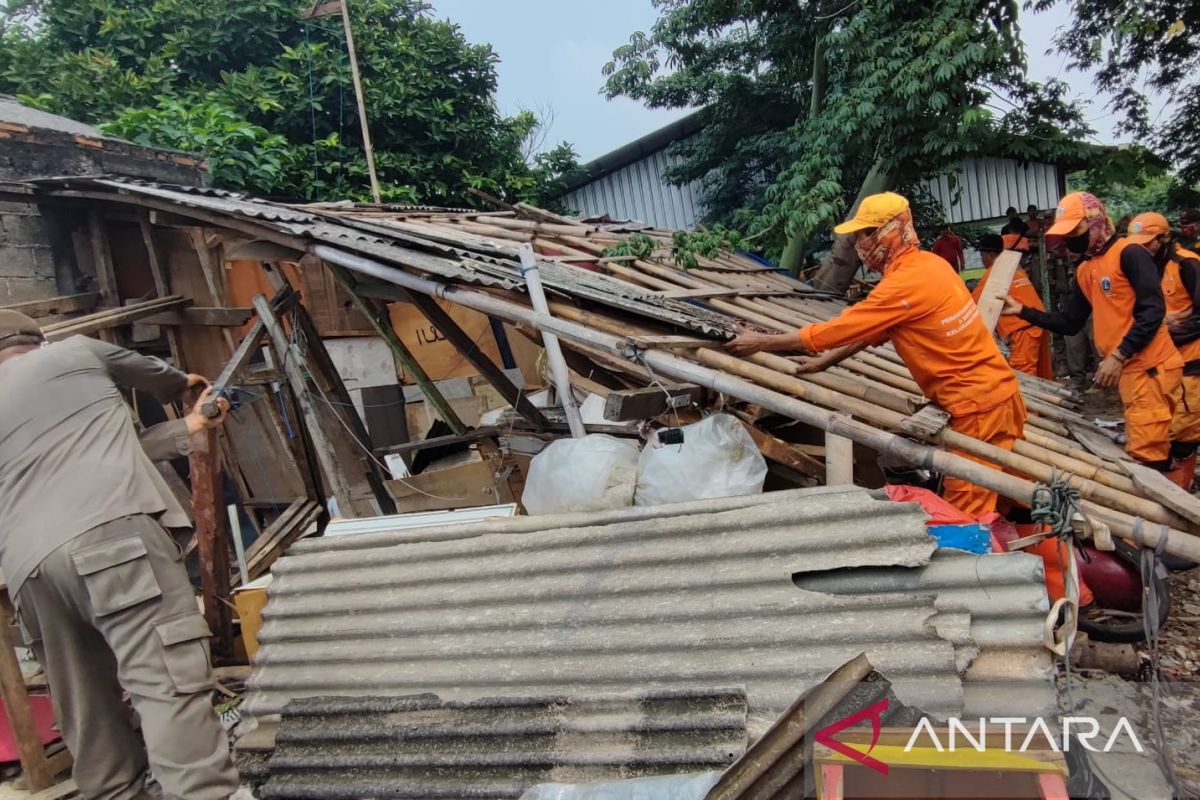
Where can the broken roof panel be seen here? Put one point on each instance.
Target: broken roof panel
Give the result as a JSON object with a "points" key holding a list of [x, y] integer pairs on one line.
{"points": [[666, 598], [422, 747]]}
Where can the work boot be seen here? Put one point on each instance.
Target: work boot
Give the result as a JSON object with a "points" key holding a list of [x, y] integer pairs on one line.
{"points": [[1183, 472]]}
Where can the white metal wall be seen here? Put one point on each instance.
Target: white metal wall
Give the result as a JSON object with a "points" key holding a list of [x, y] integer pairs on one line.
{"points": [[638, 192], [984, 188]]}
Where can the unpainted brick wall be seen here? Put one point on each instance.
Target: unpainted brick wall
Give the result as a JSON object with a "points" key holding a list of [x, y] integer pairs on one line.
{"points": [[26, 264]]}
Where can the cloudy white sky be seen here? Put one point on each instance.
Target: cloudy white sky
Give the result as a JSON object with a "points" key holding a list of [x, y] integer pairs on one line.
{"points": [[551, 52]]}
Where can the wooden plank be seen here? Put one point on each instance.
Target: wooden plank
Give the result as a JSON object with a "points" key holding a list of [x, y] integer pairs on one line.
{"points": [[785, 453], [1098, 443], [111, 318], [1162, 489], [638, 404], [16, 703], [469, 350], [67, 304], [336, 399], [67, 790], [999, 281], [839, 460], [208, 512], [292, 359], [161, 283], [213, 273], [927, 423], [698, 294], [211, 317], [106, 278]]}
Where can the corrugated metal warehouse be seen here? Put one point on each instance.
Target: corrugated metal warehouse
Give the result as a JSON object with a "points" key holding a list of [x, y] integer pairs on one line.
{"points": [[628, 184]]}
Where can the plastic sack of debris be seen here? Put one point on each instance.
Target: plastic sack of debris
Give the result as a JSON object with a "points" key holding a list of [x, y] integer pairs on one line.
{"points": [[668, 787], [717, 459], [595, 473]]}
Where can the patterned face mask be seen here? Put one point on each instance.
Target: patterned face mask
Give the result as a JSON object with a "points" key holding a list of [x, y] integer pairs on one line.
{"points": [[888, 242]]}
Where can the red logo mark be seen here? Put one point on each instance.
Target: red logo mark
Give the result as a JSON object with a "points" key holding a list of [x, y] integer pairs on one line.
{"points": [[875, 714]]}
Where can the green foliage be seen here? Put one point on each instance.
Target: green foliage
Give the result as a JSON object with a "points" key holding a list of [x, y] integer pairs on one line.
{"points": [[1132, 180], [162, 71], [912, 87], [1134, 47], [238, 152], [639, 245], [686, 248]]}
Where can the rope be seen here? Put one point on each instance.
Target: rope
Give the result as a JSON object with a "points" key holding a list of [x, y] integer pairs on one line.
{"points": [[1054, 510]]}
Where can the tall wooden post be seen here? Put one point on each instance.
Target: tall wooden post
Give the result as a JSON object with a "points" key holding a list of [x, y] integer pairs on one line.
{"points": [[208, 511]]}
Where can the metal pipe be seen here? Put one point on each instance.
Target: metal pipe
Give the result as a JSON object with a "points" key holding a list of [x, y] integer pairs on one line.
{"points": [[1177, 542], [554, 356]]}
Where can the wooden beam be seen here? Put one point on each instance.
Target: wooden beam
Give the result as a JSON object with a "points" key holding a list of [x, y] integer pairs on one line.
{"points": [[208, 512], [106, 278], [291, 359], [203, 317], [161, 283], [637, 404], [999, 281], [383, 328], [56, 305], [213, 274], [336, 398], [110, 318], [16, 702], [466, 347], [1159, 487]]}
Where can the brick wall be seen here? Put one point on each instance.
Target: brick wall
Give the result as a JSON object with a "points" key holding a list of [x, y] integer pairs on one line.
{"points": [[26, 265]]}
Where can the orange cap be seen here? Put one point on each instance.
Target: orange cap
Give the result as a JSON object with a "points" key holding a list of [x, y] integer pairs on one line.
{"points": [[1070, 213], [874, 212], [1146, 227]]}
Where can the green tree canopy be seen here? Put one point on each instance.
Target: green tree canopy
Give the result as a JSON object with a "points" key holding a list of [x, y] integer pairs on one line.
{"points": [[1138, 47], [811, 103], [267, 96]]}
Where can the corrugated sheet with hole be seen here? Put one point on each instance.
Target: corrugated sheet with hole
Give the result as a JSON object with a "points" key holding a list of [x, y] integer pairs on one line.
{"points": [[422, 747], [677, 597]]}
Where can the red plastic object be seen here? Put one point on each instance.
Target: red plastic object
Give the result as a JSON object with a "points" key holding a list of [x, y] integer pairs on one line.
{"points": [[43, 717], [940, 512]]}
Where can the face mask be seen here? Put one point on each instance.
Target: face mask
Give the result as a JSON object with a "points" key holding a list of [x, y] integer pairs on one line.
{"points": [[1077, 245]]}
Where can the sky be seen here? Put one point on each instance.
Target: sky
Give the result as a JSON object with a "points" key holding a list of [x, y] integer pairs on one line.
{"points": [[551, 53]]}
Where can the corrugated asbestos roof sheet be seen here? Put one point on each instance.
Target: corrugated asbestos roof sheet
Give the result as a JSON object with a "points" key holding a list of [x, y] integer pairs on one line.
{"points": [[670, 598], [401, 243], [421, 747]]}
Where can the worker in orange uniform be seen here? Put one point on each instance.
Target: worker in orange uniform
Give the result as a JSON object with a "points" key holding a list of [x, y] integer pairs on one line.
{"points": [[1029, 346], [1181, 294], [1119, 284], [922, 305]]}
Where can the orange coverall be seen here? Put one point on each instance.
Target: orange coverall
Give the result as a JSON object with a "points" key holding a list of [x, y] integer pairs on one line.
{"points": [[1128, 318], [1179, 292], [927, 312], [1028, 344]]}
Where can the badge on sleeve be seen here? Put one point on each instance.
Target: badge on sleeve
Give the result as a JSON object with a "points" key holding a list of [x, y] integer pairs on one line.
{"points": [[1106, 285]]}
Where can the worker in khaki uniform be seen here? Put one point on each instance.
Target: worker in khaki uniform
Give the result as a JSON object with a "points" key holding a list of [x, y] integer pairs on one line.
{"points": [[1181, 294], [101, 593], [1028, 345], [924, 308], [1118, 284]]}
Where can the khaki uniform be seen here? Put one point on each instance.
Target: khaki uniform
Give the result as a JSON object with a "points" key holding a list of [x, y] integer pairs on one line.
{"points": [[101, 593]]}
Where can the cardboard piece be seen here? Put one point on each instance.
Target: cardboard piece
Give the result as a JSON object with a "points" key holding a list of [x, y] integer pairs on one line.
{"points": [[439, 358]]}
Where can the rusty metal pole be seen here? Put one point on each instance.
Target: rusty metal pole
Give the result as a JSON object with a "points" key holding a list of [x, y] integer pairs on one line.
{"points": [[209, 512]]}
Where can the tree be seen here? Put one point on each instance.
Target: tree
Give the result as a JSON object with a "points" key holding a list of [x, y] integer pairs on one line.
{"points": [[1136, 47], [858, 98], [267, 96]]}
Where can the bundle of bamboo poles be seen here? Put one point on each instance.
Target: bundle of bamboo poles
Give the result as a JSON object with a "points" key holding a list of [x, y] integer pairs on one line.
{"points": [[873, 387]]}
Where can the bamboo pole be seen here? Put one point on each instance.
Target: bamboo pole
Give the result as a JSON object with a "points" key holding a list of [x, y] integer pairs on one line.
{"points": [[1175, 541], [362, 102]]}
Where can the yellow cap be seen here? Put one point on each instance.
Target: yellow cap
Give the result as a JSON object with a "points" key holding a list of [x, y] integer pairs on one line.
{"points": [[873, 212], [1145, 228]]}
